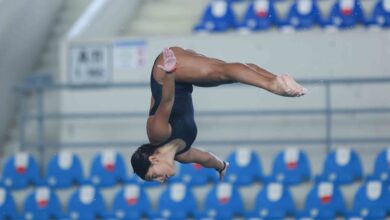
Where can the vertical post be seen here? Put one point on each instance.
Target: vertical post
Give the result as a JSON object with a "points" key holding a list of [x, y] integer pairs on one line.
{"points": [[40, 125], [22, 119], [328, 106]]}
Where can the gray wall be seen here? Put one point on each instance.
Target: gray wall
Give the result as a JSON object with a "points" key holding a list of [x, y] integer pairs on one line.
{"points": [[24, 27], [309, 55]]}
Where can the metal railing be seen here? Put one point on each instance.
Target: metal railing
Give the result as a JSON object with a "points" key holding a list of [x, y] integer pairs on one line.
{"points": [[41, 85]]}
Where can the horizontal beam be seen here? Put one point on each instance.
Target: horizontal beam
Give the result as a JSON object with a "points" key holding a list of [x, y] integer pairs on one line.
{"points": [[135, 85], [213, 113], [213, 143]]}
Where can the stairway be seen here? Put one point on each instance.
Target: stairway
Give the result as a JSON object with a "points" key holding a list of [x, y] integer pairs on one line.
{"points": [[165, 17]]}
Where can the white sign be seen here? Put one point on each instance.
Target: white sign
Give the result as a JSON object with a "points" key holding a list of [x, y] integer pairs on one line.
{"points": [[129, 54], [89, 64]]}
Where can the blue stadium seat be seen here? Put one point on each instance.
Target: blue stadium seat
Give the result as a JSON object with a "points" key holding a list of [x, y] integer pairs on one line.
{"points": [[244, 168], [86, 203], [345, 14], [382, 166], [64, 170], [218, 17], [131, 203], [274, 201], [260, 15], [176, 202], [372, 201], [223, 202], [193, 174], [303, 14], [20, 171], [108, 168], [42, 204], [342, 166], [380, 16], [7, 205], [324, 201], [291, 166]]}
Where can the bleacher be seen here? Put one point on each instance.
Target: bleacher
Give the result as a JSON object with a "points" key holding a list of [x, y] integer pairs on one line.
{"points": [[111, 191], [260, 15]]}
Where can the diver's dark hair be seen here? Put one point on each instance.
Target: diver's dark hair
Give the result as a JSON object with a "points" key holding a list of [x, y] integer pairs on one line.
{"points": [[140, 159]]}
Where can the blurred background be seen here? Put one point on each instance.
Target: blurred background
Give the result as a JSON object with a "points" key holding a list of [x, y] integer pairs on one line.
{"points": [[75, 96]]}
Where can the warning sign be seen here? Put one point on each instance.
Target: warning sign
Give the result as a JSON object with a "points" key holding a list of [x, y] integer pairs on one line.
{"points": [[89, 64]]}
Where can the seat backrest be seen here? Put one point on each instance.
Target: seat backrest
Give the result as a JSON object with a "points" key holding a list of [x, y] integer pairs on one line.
{"points": [[218, 16], [303, 14], [174, 196], [64, 170], [86, 203], [372, 199], [325, 200], [42, 204], [245, 167], [20, 170], [131, 202], [263, 10], [291, 166], [108, 168], [346, 14], [274, 201], [342, 166], [223, 202]]}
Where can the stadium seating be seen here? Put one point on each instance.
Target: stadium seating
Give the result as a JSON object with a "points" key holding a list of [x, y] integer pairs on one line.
{"points": [[7, 205], [303, 14], [86, 203], [176, 202], [107, 169], [372, 201], [64, 170], [382, 166], [324, 201], [291, 167], [274, 201], [345, 14], [42, 204], [223, 202], [245, 167], [20, 171], [193, 174], [380, 16], [218, 17], [342, 166], [260, 15], [131, 202]]}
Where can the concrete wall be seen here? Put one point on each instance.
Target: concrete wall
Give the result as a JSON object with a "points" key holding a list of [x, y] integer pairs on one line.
{"points": [[24, 27], [309, 55]]}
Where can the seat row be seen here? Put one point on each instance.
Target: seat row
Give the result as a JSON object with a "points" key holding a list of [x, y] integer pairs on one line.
{"points": [[219, 16], [291, 166], [223, 201]]}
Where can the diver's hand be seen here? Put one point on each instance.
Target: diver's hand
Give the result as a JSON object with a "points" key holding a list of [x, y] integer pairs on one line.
{"points": [[169, 61], [222, 171]]}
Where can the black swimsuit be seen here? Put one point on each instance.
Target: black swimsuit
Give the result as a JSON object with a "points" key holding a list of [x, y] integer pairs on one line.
{"points": [[182, 115]]}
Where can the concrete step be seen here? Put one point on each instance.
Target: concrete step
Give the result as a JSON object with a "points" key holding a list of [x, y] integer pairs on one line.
{"points": [[146, 27], [166, 17]]}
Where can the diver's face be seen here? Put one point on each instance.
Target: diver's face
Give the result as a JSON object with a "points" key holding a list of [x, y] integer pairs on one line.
{"points": [[160, 171]]}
